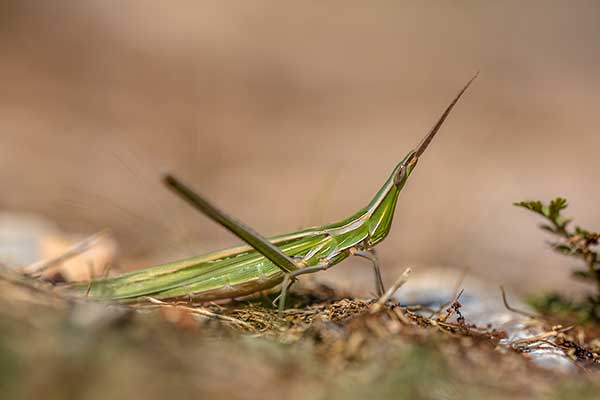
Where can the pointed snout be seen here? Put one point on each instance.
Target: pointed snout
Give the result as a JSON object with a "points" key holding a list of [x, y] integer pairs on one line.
{"points": [[431, 134]]}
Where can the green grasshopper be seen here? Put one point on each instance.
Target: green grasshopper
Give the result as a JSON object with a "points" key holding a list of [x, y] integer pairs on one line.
{"points": [[265, 263]]}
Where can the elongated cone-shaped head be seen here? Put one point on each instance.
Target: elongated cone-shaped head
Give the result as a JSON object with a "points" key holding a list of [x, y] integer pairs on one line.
{"points": [[383, 205]]}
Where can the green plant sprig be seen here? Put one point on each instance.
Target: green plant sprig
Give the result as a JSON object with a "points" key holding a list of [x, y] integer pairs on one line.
{"points": [[576, 242]]}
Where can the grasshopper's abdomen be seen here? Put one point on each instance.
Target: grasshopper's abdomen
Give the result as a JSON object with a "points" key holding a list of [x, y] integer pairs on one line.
{"points": [[224, 274]]}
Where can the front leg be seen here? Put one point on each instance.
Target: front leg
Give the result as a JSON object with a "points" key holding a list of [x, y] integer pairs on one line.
{"points": [[372, 256]]}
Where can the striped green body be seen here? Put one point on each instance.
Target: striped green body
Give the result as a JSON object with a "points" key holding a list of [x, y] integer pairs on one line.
{"points": [[241, 271]]}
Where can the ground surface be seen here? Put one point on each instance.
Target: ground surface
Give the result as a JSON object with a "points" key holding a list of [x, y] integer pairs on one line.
{"points": [[326, 346]]}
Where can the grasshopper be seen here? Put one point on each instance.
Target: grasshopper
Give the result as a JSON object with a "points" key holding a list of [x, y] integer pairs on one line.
{"points": [[267, 262]]}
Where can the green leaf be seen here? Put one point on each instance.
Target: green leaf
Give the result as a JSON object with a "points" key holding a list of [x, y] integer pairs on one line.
{"points": [[565, 249], [550, 212], [548, 228], [555, 207], [585, 275], [535, 206]]}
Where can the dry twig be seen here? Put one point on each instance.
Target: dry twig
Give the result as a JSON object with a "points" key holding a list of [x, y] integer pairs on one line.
{"points": [[37, 268], [201, 311], [509, 308], [402, 279]]}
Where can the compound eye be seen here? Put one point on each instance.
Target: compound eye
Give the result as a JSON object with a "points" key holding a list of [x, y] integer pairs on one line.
{"points": [[400, 175]]}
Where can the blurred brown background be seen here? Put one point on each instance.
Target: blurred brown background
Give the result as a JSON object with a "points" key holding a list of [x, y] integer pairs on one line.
{"points": [[290, 114]]}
